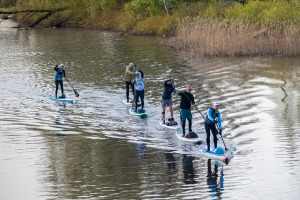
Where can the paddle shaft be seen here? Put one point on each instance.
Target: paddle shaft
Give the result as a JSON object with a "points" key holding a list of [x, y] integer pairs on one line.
{"points": [[221, 137], [76, 93], [195, 105]]}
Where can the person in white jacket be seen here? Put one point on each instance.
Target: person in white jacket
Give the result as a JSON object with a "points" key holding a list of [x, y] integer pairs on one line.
{"points": [[139, 88]]}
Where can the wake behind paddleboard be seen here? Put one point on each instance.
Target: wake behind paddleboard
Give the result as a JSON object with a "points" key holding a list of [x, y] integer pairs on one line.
{"points": [[168, 126], [137, 114], [62, 100], [179, 136], [127, 103], [217, 154]]}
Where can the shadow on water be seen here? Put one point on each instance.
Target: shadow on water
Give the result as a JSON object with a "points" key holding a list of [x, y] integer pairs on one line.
{"points": [[94, 149]]}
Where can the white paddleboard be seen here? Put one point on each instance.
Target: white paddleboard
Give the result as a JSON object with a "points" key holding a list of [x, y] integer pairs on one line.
{"points": [[127, 103], [179, 136], [166, 126]]}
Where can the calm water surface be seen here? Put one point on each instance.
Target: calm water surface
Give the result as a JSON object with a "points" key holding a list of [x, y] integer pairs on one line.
{"points": [[93, 149]]}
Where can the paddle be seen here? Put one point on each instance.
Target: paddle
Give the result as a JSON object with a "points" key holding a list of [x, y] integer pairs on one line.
{"points": [[76, 93], [199, 111], [221, 137]]}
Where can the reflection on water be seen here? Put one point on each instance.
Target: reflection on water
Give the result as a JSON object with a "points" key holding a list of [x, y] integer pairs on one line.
{"points": [[93, 150], [188, 170], [214, 182]]}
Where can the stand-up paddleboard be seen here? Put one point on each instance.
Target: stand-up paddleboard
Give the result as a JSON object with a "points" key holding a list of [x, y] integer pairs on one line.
{"points": [[179, 136], [140, 113], [127, 103], [63, 100], [218, 153], [168, 126]]}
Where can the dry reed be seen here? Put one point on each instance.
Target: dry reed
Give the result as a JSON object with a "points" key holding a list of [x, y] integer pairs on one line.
{"points": [[205, 37]]}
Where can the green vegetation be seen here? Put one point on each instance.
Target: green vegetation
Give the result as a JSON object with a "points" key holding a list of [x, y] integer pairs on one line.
{"points": [[224, 22], [232, 29]]}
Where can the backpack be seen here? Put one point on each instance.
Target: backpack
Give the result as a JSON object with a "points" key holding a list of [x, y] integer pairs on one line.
{"points": [[191, 135]]}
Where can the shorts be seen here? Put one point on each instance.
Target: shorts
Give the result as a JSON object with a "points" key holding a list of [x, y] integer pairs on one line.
{"points": [[166, 102], [185, 114]]}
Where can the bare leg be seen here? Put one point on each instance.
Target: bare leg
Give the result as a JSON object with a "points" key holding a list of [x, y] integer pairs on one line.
{"points": [[163, 114], [171, 111], [183, 128]]}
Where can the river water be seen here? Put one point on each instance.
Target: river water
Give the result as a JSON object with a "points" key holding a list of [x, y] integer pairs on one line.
{"points": [[93, 149]]}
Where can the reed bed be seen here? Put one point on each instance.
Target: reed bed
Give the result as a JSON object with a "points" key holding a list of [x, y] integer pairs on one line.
{"points": [[209, 38]]}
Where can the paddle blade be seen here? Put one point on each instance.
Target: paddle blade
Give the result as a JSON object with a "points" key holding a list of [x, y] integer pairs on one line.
{"points": [[76, 93]]}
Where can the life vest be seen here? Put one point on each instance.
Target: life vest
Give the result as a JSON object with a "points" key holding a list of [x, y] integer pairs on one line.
{"points": [[214, 115], [59, 74]]}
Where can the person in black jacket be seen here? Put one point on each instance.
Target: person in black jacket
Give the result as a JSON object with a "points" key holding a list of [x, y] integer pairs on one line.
{"points": [[187, 99]]}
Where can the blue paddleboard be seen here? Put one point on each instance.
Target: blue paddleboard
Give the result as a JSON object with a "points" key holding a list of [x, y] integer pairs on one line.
{"points": [[218, 153], [62, 100]]}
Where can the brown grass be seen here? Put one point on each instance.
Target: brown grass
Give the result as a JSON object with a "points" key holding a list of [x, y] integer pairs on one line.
{"points": [[204, 37]]}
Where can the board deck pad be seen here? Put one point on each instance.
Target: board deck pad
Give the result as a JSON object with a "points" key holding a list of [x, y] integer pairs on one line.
{"points": [[179, 136], [63, 100], [170, 126], [138, 114]]}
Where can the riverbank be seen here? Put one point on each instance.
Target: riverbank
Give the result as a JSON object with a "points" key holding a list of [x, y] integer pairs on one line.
{"points": [[7, 22], [214, 38], [202, 29]]}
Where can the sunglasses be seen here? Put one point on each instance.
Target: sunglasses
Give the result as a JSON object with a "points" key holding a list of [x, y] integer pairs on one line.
{"points": [[189, 89]]}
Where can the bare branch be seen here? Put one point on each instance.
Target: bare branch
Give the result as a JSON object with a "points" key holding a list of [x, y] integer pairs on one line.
{"points": [[48, 11], [34, 10]]}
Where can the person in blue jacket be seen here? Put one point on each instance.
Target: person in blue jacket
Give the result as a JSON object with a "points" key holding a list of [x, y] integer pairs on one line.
{"points": [[59, 74], [213, 117]]}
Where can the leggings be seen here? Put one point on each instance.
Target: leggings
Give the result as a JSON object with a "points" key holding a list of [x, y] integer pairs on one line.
{"points": [[139, 94], [212, 128], [127, 89], [183, 126], [59, 82]]}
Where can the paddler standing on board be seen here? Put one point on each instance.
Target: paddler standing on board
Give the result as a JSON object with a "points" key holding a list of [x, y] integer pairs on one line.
{"points": [[59, 74], [213, 117], [129, 76], [187, 99], [139, 88], [166, 101]]}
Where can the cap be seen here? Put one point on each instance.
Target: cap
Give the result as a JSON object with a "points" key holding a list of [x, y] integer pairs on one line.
{"points": [[131, 64], [216, 104], [61, 65]]}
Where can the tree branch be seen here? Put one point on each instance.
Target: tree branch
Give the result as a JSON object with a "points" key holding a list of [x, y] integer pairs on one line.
{"points": [[34, 10], [48, 11]]}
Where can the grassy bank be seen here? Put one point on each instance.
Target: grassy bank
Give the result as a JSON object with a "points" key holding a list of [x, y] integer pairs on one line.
{"points": [[256, 28], [204, 37], [199, 27]]}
